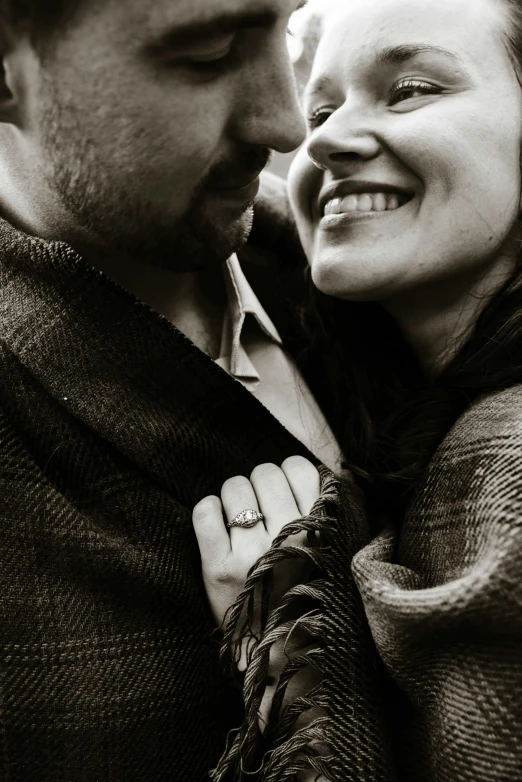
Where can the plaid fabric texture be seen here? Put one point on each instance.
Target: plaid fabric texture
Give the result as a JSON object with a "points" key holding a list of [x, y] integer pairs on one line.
{"points": [[112, 426], [444, 602]]}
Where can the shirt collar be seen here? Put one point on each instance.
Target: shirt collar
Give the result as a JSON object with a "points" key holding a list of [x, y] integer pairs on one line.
{"points": [[242, 301]]}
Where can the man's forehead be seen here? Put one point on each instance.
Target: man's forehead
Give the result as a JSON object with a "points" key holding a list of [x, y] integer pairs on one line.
{"points": [[184, 12]]}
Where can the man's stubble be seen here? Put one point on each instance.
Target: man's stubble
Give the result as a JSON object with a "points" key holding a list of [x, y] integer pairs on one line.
{"points": [[121, 219]]}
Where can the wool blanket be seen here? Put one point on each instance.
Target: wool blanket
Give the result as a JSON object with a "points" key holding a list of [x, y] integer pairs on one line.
{"points": [[113, 426], [443, 598]]}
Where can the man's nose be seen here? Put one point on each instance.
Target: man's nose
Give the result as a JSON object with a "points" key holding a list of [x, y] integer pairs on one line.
{"points": [[268, 113]]}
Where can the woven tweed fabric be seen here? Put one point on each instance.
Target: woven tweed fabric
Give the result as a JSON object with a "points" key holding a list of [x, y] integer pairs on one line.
{"points": [[444, 601], [112, 427], [344, 735]]}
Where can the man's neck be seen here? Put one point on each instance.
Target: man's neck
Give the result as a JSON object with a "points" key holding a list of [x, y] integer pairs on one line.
{"points": [[194, 302]]}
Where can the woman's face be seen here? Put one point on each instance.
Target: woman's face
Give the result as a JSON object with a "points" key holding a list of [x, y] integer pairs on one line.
{"points": [[411, 171]]}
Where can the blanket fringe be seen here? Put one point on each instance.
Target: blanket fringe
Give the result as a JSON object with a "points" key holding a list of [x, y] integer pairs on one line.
{"points": [[277, 751]]}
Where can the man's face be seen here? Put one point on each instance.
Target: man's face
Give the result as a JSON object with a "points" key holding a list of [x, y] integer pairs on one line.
{"points": [[153, 120]]}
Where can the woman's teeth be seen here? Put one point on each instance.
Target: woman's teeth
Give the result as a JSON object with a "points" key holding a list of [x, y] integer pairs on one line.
{"points": [[365, 202]]}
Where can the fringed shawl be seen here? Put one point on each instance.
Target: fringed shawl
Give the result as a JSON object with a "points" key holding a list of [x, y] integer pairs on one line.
{"points": [[112, 427], [443, 599]]}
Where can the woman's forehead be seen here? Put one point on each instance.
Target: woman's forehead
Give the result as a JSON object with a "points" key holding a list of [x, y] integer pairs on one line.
{"points": [[361, 30]]}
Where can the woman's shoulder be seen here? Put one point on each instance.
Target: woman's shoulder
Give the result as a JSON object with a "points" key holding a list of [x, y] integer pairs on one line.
{"points": [[481, 457], [461, 541], [468, 505], [494, 417]]}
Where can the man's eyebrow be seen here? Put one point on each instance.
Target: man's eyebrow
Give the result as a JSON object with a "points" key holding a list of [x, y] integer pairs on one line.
{"points": [[397, 55], [222, 24]]}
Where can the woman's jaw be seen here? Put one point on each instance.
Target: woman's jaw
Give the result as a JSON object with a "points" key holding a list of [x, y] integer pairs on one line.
{"points": [[410, 178]]}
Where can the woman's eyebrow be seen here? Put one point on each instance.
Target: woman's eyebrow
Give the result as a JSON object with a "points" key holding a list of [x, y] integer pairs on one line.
{"points": [[317, 88], [397, 55], [387, 56]]}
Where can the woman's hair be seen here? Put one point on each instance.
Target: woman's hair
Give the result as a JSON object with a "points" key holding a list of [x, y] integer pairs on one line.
{"points": [[393, 417]]}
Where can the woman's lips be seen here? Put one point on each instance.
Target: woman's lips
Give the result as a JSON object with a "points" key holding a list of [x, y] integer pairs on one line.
{"points": [[362, 195], [362, 207], [365, 202]]}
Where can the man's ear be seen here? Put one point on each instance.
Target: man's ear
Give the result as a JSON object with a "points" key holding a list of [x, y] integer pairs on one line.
{"points": [[9, 100]]}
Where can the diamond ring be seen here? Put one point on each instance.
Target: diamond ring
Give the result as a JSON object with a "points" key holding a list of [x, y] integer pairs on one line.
{"points": [[246, 519]]}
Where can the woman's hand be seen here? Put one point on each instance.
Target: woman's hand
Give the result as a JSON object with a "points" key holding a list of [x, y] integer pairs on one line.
{"points": [[281, 494]]}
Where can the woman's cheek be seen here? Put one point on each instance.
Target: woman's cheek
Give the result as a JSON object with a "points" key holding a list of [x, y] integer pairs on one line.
{"points": [[304, 185]]}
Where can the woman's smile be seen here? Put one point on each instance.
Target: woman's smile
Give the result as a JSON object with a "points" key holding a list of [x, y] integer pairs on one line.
{"points": [[408, 175], [341, 221], [356, 200], [364, 203]]}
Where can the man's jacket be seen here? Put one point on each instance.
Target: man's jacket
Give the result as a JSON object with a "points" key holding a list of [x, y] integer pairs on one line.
{"points": [[112, 427]]}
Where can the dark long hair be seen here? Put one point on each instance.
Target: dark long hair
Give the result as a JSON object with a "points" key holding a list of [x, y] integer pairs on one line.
{"points": [[391, 416]]}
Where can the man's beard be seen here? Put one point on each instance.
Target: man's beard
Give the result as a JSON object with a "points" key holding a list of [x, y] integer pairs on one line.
{"points": [[124, 222]]}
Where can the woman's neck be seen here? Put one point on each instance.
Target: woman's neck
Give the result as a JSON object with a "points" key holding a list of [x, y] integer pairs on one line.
{"points": [[437, 320]]}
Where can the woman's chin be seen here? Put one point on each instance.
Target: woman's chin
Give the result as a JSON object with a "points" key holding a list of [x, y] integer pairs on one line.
{"points": [[353, 279], [348, 290]]}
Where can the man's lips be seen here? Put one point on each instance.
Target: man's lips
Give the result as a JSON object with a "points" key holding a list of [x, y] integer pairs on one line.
{"points": [[237, 191], [238, 184]]}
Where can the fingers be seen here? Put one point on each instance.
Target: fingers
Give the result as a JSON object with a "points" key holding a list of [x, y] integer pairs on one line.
{"points": [[275, 497], [281, 494], [211, 533], [237, 495], [304, 480]]}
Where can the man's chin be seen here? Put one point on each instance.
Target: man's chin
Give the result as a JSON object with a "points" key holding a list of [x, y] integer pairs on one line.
{"points": [[199, 243], [224, 235], [236, 232]]}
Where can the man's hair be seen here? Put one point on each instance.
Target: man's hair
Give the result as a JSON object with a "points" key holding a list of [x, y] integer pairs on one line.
{"points": [[44, 17]]}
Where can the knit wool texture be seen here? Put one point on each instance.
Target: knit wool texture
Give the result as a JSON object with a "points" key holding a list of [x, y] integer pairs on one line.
{"points": [[442, 597], [112, 427]]}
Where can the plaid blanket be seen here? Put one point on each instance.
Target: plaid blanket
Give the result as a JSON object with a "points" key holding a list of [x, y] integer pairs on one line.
{"points": [[112, 427], [443, 600]]}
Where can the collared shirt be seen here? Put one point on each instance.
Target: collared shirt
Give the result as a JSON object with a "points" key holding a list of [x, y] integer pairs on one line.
{"points": [[252, 351]]}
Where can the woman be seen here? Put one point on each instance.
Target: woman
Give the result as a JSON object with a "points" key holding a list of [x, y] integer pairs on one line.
{"points": [[407, 197]]}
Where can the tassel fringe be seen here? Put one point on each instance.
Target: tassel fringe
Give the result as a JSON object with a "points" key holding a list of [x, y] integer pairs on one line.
{"points": [[279, 749]]}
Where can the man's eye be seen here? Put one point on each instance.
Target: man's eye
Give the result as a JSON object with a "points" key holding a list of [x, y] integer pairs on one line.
{"points": [[209, 59], [406, 90], [319, 117]]}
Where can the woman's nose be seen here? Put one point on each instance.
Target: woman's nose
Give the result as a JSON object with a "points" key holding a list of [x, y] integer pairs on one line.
{"points": [[335, 146]]}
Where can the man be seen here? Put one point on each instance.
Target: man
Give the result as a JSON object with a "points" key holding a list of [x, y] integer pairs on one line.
{"points": [[132, 138]]}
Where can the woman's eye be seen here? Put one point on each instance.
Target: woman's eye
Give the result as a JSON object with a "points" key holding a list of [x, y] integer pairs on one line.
{"points": [[406, 90], [319, 117]]}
